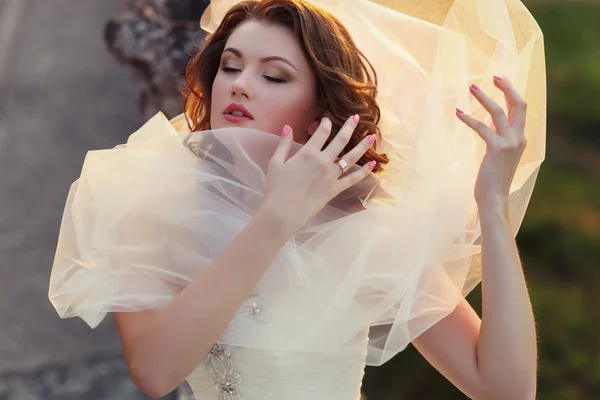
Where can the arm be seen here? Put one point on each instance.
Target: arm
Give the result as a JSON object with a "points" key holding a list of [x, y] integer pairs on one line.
{"points": [[163, 348], [495, 357]]}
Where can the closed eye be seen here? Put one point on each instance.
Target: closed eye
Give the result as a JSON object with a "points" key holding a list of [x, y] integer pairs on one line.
{"points": [[228, 69], [269, 78], [275, 80]]}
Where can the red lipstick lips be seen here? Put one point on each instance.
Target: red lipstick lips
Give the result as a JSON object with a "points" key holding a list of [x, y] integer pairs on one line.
{"points": [[239, 109]]}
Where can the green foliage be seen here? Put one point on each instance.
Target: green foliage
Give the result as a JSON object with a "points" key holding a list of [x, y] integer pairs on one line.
{"points": [[571, 35]]}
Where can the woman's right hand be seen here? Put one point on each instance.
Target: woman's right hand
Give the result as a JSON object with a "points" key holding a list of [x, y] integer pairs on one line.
{"points": [[299, 187]]}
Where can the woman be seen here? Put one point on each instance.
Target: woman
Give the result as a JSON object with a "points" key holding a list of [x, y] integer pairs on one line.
{"points": [[269, 262]]}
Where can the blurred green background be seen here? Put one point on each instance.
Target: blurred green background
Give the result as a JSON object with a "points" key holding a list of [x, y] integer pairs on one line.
{"points": [[559, 240]]}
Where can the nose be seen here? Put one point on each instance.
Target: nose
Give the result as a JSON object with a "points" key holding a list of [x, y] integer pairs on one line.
{"points": [[241, 86]]}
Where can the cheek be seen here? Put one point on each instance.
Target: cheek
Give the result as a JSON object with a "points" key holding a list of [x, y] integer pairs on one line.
{"points": [[218, 94], [217, 89], [293, 108]]}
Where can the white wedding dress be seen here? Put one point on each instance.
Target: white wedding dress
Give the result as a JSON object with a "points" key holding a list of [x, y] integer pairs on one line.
{"points": [[231, 372], [380, 264], [263, 375]]}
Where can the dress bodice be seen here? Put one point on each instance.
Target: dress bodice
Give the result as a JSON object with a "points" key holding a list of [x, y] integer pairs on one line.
{"points": [[231, 372]]}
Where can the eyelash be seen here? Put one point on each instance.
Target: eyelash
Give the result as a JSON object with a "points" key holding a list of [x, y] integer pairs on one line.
{"points": [[270, 79]]}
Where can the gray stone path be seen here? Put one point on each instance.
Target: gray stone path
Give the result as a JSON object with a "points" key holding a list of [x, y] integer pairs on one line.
{"points": [[61, 94]]}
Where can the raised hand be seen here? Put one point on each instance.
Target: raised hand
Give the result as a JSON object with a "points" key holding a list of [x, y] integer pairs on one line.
{"points": [[299, 187], [505, 143]]}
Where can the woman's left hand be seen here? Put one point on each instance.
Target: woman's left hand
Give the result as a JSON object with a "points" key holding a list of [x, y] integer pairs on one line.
{"points": [[505, 143]]}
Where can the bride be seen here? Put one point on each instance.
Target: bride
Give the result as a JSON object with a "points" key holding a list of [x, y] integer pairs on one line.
{"points": [[319, 207]]}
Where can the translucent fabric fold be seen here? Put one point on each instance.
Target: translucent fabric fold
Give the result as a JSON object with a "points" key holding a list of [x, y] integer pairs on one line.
{"points": [[393, 255]]}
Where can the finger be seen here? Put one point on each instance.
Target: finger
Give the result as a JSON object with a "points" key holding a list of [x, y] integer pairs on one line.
{"points": [[359, 150], [482, 129], [356, 176], [498, 115], [282, 151], [318, 139], [515, 102], [341, 139]]}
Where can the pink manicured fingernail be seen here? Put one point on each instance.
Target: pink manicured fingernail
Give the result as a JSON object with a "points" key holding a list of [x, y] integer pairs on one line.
{"points": [[496, 77], [356, 118], [372, 138], [286, 130], [475, 87], [458, 110], [371, 164]]}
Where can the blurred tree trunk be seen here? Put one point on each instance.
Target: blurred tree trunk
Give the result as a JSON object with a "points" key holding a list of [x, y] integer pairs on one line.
{"points": [[154, 41]]}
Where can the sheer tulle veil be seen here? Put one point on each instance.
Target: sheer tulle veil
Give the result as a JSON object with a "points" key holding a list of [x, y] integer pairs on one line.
{"points": [[144, 219]]}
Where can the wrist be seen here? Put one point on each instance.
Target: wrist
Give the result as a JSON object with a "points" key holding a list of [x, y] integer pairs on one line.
{"points": [[273, 223], [492, 200], [494, 212]]}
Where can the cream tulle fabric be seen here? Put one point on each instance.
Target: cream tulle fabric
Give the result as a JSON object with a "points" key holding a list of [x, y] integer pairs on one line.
{"points": [[144, 219]]}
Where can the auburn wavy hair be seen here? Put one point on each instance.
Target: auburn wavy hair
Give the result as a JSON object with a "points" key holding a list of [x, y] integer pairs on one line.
{"points": [[346, 81]]}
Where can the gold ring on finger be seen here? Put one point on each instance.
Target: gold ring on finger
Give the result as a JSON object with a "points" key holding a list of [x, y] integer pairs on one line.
{"points": [[343, 164]]}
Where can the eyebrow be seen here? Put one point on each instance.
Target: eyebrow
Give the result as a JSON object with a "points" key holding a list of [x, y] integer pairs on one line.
{"points": [[262, 60]]}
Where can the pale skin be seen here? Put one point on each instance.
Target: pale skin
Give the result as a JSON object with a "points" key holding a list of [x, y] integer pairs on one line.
{"points": [[245, 78], [488, 358], [495, 356]]}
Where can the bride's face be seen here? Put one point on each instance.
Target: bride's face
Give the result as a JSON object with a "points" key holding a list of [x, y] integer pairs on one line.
{"points": [[264, 70]]}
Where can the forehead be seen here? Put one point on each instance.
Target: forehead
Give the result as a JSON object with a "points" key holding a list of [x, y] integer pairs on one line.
{"points": [[260, 39]]}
